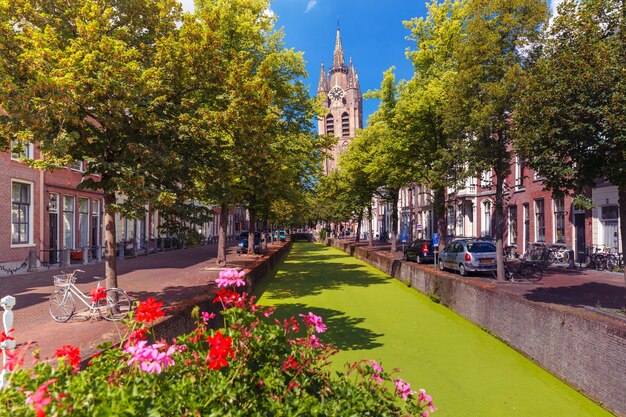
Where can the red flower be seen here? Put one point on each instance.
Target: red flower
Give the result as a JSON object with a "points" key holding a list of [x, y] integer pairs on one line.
{"points": [[5, 336], [290, 363], [221, 348], [98, 293], [149, 310], [13, 359], [137, 335], [71, 353], [226, 297], [291, 324]]}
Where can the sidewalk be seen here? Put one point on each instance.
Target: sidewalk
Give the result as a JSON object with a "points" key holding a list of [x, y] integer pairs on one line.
{"points": [[167, 276]]}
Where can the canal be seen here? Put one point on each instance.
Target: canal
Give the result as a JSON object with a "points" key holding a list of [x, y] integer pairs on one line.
{"points": [[372, 316]]}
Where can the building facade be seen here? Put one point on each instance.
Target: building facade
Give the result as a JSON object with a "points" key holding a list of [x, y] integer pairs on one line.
{"points": [[339, 93]]}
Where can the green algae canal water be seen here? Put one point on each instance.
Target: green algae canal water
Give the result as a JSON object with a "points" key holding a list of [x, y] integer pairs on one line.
{"points": [[372, 316]]}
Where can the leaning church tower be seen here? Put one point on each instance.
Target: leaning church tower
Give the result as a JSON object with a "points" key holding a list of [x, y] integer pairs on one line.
{"points": [[340, 94]]}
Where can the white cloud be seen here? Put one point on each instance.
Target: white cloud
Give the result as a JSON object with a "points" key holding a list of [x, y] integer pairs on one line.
{"points": [[187, 5], [554, 4], [310, 5]]}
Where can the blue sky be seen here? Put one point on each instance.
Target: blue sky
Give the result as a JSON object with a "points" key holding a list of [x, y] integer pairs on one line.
{"points": [[371, 30]]}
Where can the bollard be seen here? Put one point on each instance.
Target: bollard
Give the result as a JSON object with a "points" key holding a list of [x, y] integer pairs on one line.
{"points": [[33, 263], [570, 263], [98, 253], [7, 304], [85, 255], [120, 249]]}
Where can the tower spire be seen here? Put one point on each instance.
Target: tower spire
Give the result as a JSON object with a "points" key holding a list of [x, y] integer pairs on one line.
{"points": [[323, 83], [338, 61]]}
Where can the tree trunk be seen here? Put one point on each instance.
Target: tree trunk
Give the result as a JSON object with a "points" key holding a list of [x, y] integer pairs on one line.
{"points": [[266, 237], [110, 260], [394, 220], [221, 243], [439, 213], [251, 232], [500, 226], [370, 235], [358, 227], [622, 218]]}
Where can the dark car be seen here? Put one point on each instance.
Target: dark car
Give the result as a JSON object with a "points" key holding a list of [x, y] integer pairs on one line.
{"points": [[242, 246], [468, 255], [420, 251]]}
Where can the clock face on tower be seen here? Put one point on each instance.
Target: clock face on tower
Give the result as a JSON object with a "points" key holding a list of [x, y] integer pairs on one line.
{"points": [[335, 93]]}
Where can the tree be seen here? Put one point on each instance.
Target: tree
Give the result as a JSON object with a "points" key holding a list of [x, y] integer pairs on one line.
{"points": [[481, 95], [570, 120], [79, 79], [421, 106]]}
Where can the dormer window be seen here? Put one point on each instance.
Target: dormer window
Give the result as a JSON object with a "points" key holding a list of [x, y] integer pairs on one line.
{"points": [[21, 150], [77, 166]]}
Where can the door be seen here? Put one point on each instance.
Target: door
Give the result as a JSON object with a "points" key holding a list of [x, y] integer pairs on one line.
{"points": [[54, 238], [579, 231], [611, 236]]}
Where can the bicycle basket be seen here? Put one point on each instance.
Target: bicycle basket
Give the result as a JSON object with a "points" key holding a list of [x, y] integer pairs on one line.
{"points": [[63, 280]]}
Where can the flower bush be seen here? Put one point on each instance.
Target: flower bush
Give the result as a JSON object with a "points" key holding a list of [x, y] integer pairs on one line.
{"points": [[253, 366]]}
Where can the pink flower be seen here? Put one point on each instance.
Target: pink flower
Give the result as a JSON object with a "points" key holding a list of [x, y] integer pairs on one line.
{"points": [[206, 316], [311, 320], [376, 366], [314, 342], [403, 388], [230, 277], [377, 378], [39, 399], [425, 398], [152, 358]]}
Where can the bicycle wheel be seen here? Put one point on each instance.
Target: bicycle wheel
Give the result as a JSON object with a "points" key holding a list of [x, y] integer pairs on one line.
{"points": [[115, 306], [531, 272], [61, 305], [600, 262]]}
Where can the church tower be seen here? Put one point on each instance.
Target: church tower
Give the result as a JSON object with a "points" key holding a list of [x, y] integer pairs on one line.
{"points": [[340, 94]]}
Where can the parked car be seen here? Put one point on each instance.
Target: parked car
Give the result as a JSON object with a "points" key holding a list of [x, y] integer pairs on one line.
{"points": [[242, 246], [421, 250], [468, 255]]}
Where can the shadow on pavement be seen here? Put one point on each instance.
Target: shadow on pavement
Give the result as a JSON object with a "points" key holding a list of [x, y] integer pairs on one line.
{"points": [[590, 294]]}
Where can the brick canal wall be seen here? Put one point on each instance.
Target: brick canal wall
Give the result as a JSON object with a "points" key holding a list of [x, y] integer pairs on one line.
{"points": [[587, 352], [179, 321]]}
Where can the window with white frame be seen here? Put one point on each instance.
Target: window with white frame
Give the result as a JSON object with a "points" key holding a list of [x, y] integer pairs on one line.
{"points": [[83, 221], [460, 219], [538, 176], [95, 222], [68, 221], [559, 219], [519, 173], [486, 220], [512, 225], [21, 213], [485, 179], [21, 150], [77, 166], [540, 221]]}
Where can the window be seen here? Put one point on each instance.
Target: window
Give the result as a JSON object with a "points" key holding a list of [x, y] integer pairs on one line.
{"points": [[450, 220], [538, 176], [559, 220], [20, 213], [21, 150], [68, 222], [485, 179], [610, 213], [95, 222], [513, 225], [486, 223], [460, 219], [330, 125], [83, 221], [77, 166], [345, 124], [540, 224], [519, 173]]}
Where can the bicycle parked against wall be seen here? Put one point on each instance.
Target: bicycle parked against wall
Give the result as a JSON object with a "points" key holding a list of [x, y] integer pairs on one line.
{"points": [[112, 304], [521, 271]]}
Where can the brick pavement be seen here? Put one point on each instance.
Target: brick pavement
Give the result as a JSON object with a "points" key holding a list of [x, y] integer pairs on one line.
{"points": [[168, 276]]}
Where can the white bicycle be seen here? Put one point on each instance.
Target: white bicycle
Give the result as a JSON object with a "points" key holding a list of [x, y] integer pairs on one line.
{"points": [[113, 305]]}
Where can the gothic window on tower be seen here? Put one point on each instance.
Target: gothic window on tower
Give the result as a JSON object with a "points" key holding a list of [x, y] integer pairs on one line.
{"points": [[330, 125], [345, 124]]}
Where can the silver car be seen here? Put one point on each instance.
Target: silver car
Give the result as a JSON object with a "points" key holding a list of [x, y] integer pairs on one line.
{"points": [[466, 255]]}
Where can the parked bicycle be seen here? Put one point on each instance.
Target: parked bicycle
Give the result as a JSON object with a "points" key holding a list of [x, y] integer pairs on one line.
{"points": [[521, 271], [112, 304]]}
